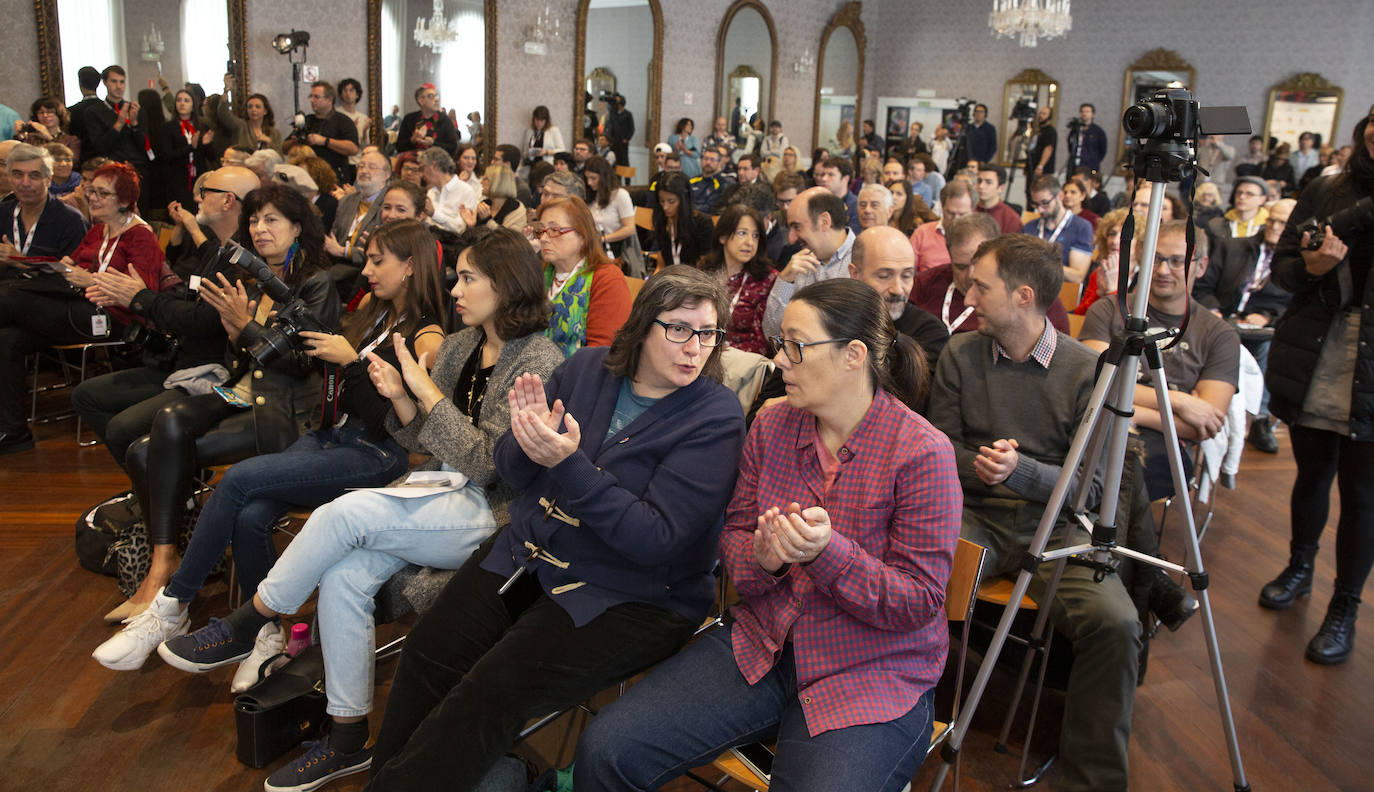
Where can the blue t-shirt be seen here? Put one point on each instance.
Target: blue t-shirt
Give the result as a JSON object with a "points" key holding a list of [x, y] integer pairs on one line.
{"points": [[628, 407], [8, 116], [1077, 235]]}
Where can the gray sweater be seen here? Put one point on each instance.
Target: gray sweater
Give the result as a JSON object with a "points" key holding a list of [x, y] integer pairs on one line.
{"points": [[450, 436], [977, 403]]}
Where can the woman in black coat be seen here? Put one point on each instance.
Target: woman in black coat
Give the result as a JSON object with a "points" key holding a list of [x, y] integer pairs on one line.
{"points": [[1321, 383]]}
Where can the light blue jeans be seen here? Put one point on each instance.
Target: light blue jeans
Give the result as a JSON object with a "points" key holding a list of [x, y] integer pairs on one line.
{"points": [[349, 548]]}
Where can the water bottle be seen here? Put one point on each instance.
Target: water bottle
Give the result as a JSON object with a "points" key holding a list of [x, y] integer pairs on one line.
{"points": [[300, 639]]}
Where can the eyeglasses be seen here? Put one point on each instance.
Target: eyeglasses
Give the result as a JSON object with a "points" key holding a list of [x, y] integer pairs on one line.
{"points": [[204, 190], [101, 194], [1174, 262], [1042, 204], [539, 231], [681, 334], [793, 349]]}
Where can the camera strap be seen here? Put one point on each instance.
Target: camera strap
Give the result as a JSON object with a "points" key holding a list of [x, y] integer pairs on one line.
{"points": [[331, 395], [1123, 274]]}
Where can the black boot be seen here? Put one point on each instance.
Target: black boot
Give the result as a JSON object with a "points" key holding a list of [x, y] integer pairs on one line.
{"points": [[1262, 436], [1294, 581], [1169, 602], [1335, 639]]}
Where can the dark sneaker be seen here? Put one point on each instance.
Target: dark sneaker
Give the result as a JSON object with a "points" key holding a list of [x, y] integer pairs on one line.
{"points": [[209, 647], [1262, 436], [319, 765]]}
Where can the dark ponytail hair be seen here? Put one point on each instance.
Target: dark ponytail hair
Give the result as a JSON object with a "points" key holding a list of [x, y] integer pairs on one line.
{"points": [[852, 309]]}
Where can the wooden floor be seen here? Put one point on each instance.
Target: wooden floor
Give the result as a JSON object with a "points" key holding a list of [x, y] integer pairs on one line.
{"points": [[67, 723]]}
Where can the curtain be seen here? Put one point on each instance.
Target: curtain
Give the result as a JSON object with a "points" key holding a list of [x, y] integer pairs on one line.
{"points": [[393, 57], [204, 38], [92, 35], [463, 68]]}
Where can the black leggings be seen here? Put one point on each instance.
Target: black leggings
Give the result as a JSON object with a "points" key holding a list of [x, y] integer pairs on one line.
{"points": [[1321, 457], [189, 434]]}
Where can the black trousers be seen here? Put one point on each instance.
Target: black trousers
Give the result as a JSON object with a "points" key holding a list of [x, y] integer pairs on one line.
{"points": [[191, 433], [1324, 456], [30, 321], [478, 666], [120, 406]]}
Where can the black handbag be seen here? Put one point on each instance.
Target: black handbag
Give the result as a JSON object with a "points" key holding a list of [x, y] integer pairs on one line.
{"points": [[282, 710]]}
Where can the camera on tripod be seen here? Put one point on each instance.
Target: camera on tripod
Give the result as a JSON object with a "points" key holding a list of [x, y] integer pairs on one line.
{"points": [[1346, 224], [1168, 124], [292, 317], [961, 114]]}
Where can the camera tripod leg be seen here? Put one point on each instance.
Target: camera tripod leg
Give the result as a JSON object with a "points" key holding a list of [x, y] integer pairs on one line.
{"points": [[1081, 440], [1038, 643], [1196, 571]]}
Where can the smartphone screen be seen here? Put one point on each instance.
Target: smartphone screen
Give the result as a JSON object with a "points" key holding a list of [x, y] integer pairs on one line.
{"points": [[757, 757]]}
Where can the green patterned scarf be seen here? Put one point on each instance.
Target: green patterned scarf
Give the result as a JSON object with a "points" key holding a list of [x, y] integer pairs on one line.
{"points": [[568, 328]]}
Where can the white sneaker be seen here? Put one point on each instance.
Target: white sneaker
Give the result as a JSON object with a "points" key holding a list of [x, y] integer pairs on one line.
{"points": [[129, 648], [271, 641]]}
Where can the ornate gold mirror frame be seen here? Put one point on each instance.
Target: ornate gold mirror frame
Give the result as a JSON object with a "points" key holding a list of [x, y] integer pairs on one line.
{"points": [[846, 17], [649, 129], [1312, 85], [1154, 60], [1012, 150], [722, 89]]}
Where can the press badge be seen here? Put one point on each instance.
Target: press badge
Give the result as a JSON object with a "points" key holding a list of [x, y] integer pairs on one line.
{"points": [[195, 283], [100, 325]]}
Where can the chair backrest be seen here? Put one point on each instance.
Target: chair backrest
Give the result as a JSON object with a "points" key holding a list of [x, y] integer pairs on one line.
{"points": [[644, 217], [967, 569], [1076, 322], [634, 284], [1069, 294], [625, 172]]}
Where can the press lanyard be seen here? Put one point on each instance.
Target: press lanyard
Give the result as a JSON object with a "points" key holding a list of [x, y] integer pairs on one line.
{"points": [[1063, 221], [734, 298], [380, 338], [105, 255], [944, 312], [33, 232]]}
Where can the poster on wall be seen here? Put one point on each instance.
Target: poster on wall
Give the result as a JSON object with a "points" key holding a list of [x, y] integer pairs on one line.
{"points": [[897, 121], [1296, 112]]}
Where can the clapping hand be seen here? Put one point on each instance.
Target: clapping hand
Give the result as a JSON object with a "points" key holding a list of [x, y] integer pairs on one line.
{"points": [[794, 535], [232, 303], [535, 425], [416, 373], [114, 288]]}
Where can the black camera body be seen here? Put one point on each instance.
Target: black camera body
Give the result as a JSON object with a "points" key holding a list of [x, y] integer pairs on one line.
{"points": [[1024, 109], [1346, 224], [1168, 125], [293, 316]]}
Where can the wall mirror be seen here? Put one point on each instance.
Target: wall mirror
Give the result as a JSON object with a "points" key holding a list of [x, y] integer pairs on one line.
{"points": [[1022, 99], [746, 66], [147, 37], [444, 42], [839, 81], [1303, 103], [1156, 70], [622, 39]]}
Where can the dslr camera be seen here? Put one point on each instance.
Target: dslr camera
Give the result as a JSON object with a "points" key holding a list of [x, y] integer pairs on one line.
{"points": [[1348, 223], [292, 315], [1167, 126]]}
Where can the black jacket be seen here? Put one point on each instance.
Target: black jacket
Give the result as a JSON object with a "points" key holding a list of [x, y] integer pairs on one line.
{"points": [[445, 134], [1228, 273], [191, 323], [1299, 334]]}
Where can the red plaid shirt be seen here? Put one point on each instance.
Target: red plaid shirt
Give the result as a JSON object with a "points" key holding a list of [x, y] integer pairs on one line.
{"points": [[866, 617]]}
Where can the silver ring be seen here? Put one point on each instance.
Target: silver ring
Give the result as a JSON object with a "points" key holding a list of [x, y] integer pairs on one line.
{"points": [[800, 554]]}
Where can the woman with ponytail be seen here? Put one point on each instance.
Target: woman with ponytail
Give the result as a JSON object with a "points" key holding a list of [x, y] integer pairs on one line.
{"points": [[839, 539], [243, 408]]}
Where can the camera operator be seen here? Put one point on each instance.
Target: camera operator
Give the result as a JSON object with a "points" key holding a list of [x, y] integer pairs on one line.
{"points": [[620, 127], [1320, 385], [185, 331], [1040, 155], [261, 408], [1087, 141]]}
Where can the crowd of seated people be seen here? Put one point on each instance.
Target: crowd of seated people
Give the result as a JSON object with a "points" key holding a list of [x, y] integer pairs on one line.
{"points": [[480, 307]]}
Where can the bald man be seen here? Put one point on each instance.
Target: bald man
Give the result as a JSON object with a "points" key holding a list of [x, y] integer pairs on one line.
{"points": [[882, 257], [120, 406]]}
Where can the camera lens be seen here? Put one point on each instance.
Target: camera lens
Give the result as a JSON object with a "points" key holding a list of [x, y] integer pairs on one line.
{"points": [[1147, 119]]}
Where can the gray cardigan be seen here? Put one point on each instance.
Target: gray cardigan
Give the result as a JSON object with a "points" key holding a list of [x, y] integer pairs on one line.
{"points": [[450, 436]]}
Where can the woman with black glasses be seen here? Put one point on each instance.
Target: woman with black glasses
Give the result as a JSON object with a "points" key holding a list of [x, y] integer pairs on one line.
{"points": [[624, 462], [839, 539]]}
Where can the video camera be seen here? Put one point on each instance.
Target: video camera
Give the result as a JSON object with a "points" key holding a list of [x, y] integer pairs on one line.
{"points": [[961, 115], [1024, 109], [292, 316], [1168, 125]]}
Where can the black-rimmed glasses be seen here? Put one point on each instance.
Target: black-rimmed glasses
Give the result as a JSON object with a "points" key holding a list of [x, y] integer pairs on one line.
{"points": [[681, 334], [203, 190], [793, 349]]}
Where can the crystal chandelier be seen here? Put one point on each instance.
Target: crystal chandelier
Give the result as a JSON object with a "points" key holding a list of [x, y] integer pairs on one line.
{"points": [[439, 31], [1030, 19]]}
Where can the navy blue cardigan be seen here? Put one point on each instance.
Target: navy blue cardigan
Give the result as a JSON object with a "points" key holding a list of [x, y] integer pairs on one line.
{"points": [[650, 499]]}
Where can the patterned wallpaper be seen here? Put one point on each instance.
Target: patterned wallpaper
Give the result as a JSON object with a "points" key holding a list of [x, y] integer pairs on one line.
{"points": [[339, 48]]}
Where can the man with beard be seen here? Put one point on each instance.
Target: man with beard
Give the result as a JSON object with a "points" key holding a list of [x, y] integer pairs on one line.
{"points": [[882, 257], [358, 215]]}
